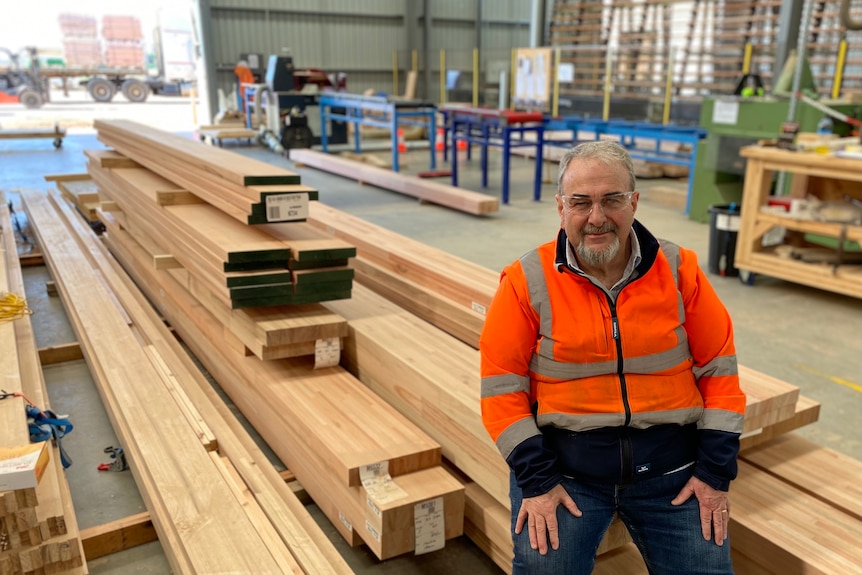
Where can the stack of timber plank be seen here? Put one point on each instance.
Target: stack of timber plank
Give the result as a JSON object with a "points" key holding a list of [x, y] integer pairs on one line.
{"points": [[38, 528], [241, 266], [247, 190], [217, 503], [433, 192], [311, 422], [326, 426]]}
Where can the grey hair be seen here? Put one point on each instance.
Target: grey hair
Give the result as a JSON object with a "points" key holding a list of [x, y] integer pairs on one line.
{"points": [[607, 152]]}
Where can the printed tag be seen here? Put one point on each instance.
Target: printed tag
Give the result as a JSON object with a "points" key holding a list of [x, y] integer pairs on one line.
{"points": [[327, 352], [430, 525], [379, 485], [286, 207], [478, 308], [374, 532], [345, 521]]}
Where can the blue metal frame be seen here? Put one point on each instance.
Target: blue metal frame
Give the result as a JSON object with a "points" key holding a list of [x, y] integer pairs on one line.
{"points": [[491, 130], [390, 114], [629, 132]]}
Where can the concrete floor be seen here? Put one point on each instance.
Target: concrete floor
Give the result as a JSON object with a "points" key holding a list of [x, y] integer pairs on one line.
{"points": [[808, 337]]}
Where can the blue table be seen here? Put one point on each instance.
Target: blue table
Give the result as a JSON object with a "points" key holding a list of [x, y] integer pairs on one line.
{"points": [[387, 113], [492, 127], [628, 132]]}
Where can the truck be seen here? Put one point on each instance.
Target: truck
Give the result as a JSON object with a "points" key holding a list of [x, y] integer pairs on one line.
{"points": [[26, 79]]}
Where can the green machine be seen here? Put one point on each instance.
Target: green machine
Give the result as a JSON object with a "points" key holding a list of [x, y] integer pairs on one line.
{"points": [[733, 122]]}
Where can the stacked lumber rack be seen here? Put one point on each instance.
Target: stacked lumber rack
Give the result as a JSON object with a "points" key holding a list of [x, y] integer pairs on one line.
{"points": [[38, 528], [708, 55]]}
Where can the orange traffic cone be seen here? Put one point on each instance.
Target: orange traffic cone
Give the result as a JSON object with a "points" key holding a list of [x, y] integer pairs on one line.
{"points": [[402, 145], [438, 145]]}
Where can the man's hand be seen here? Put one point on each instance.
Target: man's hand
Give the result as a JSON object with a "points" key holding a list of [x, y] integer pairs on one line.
{"points": [[540, 514], [714, 508]]}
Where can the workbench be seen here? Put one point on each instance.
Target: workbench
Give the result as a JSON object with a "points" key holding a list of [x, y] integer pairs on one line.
{"points": [[493, 127], [630, 132], [377, 111], [56, 133], [752, 257]]}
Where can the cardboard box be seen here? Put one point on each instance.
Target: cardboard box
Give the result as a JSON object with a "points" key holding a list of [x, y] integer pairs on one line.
{"points": [[22, 467]]}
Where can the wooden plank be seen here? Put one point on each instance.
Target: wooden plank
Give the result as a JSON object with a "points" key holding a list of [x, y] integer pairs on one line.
{"points": [[110, 159], [818, 471], [788, 531], [60, 353], [51, 498], [807, 412], [456, 198], [118, 535], [224, 541]]}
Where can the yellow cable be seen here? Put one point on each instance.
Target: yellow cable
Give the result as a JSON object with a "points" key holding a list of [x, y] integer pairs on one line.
{"points": [[12, 307]]}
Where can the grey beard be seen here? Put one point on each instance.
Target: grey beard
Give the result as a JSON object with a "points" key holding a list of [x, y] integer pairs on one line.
{"points": [[601, 257]]}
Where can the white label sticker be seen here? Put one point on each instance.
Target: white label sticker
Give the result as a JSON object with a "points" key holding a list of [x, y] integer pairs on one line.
{"points": [[327, 352], [727, 222], [373, 507], [379, 485], [286, 207], [345, 521], [725, 112], [478, 308], [430, 525], [374, 532]]}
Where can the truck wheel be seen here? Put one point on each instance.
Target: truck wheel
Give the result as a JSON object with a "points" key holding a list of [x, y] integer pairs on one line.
{"points": [[135, 90], [101, 89], [31, 99]]}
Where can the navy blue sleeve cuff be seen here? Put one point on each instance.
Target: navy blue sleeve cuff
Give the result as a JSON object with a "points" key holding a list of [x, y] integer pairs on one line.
{"points": [[535, 467]]}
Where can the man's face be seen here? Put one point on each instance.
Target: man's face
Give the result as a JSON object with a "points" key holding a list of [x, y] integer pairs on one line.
{"points": [[598, 235]]}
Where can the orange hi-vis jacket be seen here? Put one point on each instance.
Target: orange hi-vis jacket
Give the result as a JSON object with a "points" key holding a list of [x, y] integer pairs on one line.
{"points": [[578, 383]]}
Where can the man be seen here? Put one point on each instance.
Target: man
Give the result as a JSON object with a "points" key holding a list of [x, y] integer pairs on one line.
{"points": [[609, 384]]}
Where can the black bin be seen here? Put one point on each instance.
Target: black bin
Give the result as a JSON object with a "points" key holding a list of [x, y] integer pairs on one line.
{"points": [[723, 229]]}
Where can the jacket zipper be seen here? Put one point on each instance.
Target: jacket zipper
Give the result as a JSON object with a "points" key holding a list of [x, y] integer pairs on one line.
{"points": [[626, 465]]}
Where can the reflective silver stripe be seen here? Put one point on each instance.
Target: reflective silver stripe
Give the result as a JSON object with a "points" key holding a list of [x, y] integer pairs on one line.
{"points": [[534, 274], [503, 384], [679, 416], [582, 422], [722, 365], [671, 252], [645, 364], [515, 434], [721, 420]]}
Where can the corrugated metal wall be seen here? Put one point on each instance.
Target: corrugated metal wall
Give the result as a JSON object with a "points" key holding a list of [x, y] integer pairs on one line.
{"points": [[362, 39]]}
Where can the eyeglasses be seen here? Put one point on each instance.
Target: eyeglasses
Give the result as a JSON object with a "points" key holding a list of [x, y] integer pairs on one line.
{"points": [[610, 203]]}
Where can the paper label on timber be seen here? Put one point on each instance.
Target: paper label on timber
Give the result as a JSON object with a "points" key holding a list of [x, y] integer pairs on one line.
{"points": [[478, 308], [379, 485], [430, 525], [344, 520], [286, 207], [327, 352], [374, 532]]}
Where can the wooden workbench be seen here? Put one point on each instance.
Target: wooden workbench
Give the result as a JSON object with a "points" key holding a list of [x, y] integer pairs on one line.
{"points": [[844, 173]]}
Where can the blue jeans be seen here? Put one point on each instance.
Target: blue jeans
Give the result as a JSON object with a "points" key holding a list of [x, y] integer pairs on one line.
{"points": [[669, 537]]}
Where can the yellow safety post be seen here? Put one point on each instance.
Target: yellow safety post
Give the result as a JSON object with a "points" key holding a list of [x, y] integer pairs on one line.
{"points": [[442, 76], [746, 59], [512, 78], [606, 105], [839, 69], [475, 77], [668, 87], [395, 72], [555, 95]]}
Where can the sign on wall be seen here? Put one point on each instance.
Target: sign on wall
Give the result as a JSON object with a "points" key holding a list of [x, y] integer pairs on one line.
{"points": [[533, 78]]}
